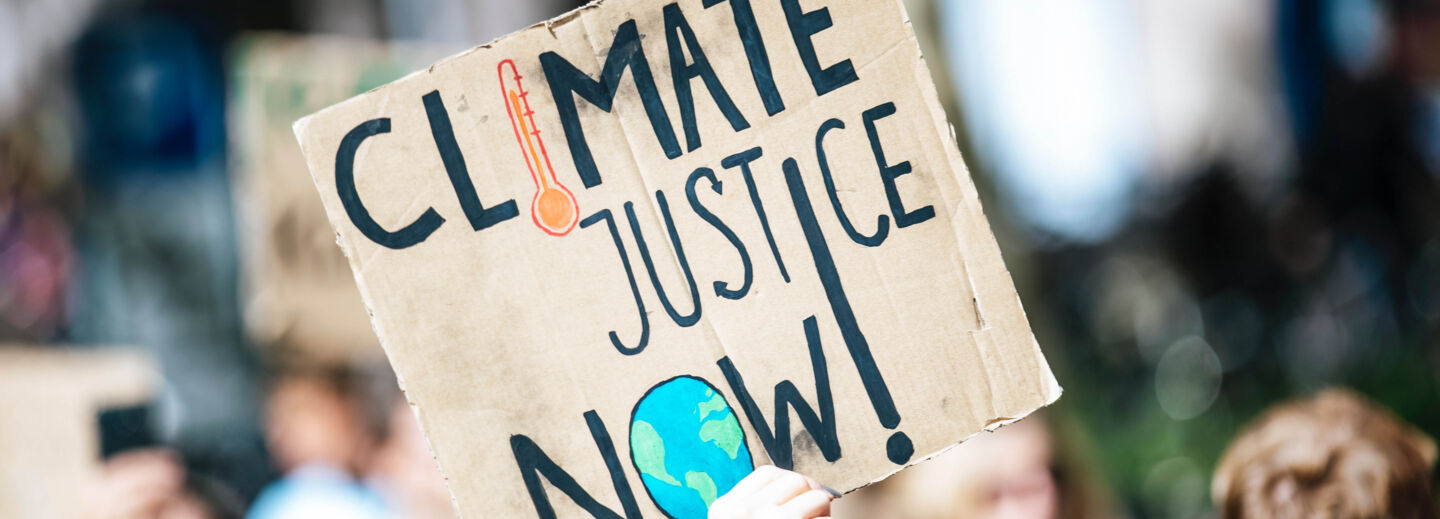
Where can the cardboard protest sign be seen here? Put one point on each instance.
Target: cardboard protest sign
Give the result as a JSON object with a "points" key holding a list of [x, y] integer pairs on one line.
{"points": [[299, 296], [49, 437], [621, 258]]}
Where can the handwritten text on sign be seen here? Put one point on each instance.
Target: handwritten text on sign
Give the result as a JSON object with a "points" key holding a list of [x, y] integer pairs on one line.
{"points": [[694, 136]]}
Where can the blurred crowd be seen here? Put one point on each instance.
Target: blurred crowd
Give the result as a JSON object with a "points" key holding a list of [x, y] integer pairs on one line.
{"points": [[1216, 212]]}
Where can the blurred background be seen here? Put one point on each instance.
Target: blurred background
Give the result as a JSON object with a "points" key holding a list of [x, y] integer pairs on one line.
{"points": [[1209, 206]]}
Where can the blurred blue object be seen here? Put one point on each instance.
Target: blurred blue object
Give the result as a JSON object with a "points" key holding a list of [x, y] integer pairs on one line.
{"points": [[316, 491], [1428, 133], [151, 91], [1051, 97], [1357, 34], [157, 259]]}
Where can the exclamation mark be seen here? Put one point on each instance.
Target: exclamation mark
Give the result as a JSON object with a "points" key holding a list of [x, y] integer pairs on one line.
{"points": [[898, 448]]}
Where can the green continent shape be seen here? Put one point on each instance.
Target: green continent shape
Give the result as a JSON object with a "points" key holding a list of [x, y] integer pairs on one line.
{"points": [[726, 434], [701, 483], [649, 451], [714, 404]]}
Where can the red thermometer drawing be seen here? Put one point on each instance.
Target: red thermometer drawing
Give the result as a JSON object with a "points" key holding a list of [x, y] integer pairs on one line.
{"points": [[554, 208]]}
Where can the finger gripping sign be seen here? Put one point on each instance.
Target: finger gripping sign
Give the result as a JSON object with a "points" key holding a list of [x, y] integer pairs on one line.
{"points": [[621, 258]]}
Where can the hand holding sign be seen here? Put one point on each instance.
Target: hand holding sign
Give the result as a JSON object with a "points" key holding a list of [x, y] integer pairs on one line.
{"points": [[773, 493], [862, 348]]}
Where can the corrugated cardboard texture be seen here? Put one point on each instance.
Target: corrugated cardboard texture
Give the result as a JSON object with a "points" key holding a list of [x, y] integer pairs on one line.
{"points": [[538, 309]]}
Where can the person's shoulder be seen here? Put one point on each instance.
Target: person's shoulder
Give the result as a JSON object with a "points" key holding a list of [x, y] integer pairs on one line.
{"points": [[314, 492]]}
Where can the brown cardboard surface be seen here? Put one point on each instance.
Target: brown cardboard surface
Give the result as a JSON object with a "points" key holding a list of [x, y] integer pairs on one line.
{"points": [[299, 295], [541, 313]]}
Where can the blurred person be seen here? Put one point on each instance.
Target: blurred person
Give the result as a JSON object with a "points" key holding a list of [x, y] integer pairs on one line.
{"points": [[152, 483], [1335, 455], [37, 255], [349, 446], [1005, 474], [402, 468], [1017, 472], [318, 436], [404, 471], [156, 254]]}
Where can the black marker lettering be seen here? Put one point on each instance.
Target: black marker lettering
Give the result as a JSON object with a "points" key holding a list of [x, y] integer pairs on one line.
{"points": [[444, 136], [882, 222], [722, 288], [754, 52], [566, 81], [898, 448], [409, 235], [743, 160], [777, 442], [681, 73], [682, 320], [534, 463], [604, 214], [889, 173], [803, 26]]}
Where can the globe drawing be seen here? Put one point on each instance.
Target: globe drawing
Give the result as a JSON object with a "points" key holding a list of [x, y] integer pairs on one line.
{"points": [[688, 446]]}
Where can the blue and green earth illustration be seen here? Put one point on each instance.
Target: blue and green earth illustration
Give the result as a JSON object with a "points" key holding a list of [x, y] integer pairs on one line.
{"points": [[688, 446]]}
